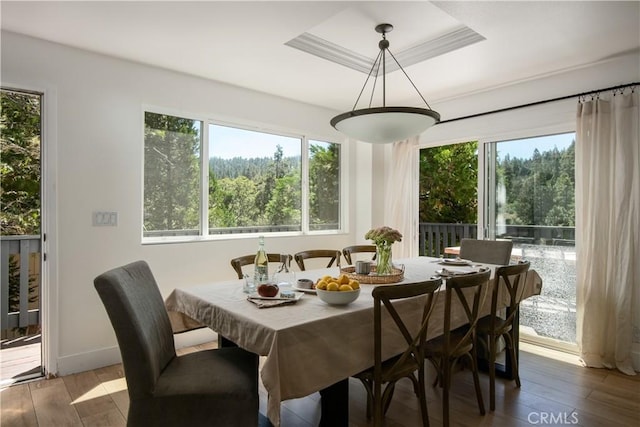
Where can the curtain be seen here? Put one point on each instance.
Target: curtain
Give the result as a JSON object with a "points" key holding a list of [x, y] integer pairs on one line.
{"points": [[400, 207], [607, 229]]}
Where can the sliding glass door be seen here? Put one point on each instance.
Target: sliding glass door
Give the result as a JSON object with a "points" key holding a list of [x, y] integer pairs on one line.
{"points": [[529, 199]]}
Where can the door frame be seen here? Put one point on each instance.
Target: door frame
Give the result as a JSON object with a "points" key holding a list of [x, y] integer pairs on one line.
{"points": [[48, 222]]}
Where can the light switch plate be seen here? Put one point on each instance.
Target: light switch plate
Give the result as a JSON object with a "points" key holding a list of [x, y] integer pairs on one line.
{"points": [[105, 219]]}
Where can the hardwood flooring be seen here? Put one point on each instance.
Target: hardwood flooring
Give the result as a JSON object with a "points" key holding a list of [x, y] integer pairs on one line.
{"points": [[555, 390]]}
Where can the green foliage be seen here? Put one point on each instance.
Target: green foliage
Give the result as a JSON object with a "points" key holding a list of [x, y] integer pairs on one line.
{"points": [[448, 183], [284, 206], [20, 163], [540, 190], [535, 191]]}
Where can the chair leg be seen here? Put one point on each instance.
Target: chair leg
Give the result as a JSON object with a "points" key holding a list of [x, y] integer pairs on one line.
{"points": [[492, 372], [514, 359], [476, 380], [446, 382], [422, 397]]}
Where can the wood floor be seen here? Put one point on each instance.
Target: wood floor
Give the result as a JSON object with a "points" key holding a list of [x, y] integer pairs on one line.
{"points": [[556, 390]]}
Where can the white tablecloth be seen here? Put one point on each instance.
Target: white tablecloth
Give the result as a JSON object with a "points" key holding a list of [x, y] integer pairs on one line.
{"points": [[308, 345]]}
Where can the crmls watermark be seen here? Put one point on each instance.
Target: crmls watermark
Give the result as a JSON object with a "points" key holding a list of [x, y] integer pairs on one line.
{"points": [[553, 418]]}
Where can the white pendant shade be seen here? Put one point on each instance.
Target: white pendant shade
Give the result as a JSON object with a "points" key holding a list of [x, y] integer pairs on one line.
{"points": [[385, 125]]}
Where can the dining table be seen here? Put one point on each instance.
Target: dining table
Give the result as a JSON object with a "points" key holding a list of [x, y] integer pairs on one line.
{"points": [[310, 346]]}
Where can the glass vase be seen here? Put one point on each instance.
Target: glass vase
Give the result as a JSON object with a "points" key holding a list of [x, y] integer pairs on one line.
{"points": [[384, 265]]}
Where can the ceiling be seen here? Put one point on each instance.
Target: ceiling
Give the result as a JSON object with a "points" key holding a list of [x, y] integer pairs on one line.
{"points": [[449, 49]]}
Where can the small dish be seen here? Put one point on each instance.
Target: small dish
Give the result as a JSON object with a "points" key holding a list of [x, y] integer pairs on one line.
{"points": [[305, 290]]}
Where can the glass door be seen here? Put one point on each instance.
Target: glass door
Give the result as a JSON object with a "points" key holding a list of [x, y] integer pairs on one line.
{"points": [[529, 199], [21, 237]]}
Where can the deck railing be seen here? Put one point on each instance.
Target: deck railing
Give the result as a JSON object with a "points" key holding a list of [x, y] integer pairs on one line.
{"points": [[19, 278], [435, 237]]}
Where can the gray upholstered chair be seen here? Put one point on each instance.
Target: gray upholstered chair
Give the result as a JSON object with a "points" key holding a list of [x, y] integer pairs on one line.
{"points": [[487, 251], [210, 387]]}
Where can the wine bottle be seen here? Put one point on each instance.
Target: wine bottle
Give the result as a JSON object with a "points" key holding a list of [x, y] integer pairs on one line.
{"points": [[261, 264]]}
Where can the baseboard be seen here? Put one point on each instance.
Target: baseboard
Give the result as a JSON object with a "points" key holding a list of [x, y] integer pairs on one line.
{"points": [[81, 362], [110, 356]]}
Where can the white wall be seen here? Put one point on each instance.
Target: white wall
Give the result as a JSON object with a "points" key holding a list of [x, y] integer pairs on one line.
{"points": [[97, 138]]}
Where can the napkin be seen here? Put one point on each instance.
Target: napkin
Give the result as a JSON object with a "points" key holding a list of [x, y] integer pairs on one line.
{"points": [[262, 303]]}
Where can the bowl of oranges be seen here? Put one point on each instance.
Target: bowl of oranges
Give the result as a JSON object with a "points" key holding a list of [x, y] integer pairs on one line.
{"points": [[337, 290]]}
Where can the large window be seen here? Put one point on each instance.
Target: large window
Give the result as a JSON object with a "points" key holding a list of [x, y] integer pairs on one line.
{"points": [[241, 181]]}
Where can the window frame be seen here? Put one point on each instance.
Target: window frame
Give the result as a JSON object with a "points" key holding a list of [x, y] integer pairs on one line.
{"points": [[203, 234]]}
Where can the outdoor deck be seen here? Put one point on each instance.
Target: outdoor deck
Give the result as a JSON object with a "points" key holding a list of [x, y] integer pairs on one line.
{"points": [[20, 358]]}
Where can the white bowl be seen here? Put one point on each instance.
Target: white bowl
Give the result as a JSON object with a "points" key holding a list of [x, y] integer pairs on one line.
{"points": [[338, 297]]}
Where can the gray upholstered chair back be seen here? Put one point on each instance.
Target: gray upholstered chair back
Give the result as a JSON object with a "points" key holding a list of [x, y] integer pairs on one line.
{"points": [[141, 323], [487, 251]]}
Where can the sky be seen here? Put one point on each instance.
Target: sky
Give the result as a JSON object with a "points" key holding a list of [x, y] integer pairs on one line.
{"points": [[523, 148], [233, 142]]}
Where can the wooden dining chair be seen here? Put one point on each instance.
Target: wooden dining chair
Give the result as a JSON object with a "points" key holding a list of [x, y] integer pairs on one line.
{"points": [[467, 293], [241, 261], [209, 387], [510, 282], [349, 250], [332, 254], [407, 363], [486, 251]]}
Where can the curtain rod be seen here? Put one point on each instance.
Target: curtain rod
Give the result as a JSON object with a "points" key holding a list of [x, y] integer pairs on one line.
{"points": [[577, 95]]}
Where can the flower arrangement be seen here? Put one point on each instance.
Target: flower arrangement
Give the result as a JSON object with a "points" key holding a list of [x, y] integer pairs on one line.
{"points": [[383, 237]]}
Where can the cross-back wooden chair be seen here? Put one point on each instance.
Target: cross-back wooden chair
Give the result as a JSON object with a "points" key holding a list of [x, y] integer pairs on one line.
{"points": [[405, 364], [446, 350], [509, 283], [349, 250], [241, 261], [332, 254]]}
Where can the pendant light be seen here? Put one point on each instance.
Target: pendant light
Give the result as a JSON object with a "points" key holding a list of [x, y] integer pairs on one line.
{"points": [[383, 125]]}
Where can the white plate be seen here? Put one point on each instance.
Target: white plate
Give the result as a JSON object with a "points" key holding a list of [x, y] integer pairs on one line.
{"points": [[458, 272], [256, 295], [455, 261], [305, 290]]}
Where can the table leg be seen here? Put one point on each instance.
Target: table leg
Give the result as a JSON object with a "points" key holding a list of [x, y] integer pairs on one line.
{"points": [[225, 342], [334, 404]]}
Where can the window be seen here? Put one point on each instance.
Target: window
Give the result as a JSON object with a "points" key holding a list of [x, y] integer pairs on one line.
{"points": [[531, 201], [241, 181]]}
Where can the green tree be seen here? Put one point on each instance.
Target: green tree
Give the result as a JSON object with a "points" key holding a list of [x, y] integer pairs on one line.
{"points": [[20, 129], [448, 183], [284, 206], [20, 163], [233, 203]]}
